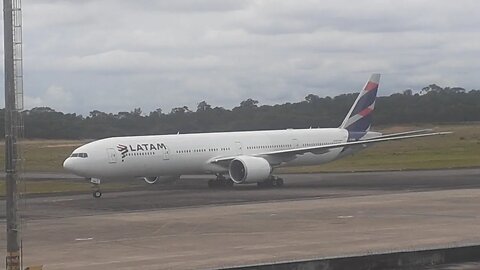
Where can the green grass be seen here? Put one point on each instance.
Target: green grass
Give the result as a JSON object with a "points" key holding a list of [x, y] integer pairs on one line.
{"points": [[458, 150], [44, 155]]}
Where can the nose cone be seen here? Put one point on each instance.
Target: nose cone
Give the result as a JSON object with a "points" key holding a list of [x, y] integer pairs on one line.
{"points": [[73, 165], [68, 165]]}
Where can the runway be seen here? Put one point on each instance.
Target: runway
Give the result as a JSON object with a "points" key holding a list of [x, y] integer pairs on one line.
{"points": [[188, 226]]}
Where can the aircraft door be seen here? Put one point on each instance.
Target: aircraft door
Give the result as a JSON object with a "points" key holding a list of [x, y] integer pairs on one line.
{"points": [[238, 148], [295, 143], [111, 155], [165, 153]]}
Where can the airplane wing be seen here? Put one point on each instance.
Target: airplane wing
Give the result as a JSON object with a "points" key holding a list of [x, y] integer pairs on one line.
{"points": [[325, 148], [391, 135]]}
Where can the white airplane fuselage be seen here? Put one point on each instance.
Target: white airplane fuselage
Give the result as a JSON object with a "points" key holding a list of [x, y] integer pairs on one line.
{"points": [[247, 156], [183, 154]]}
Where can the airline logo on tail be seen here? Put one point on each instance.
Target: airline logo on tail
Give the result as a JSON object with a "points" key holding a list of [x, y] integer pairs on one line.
{"points": [[359, 118]]}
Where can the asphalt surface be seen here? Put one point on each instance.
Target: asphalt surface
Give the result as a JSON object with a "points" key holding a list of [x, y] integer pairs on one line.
{"points": [[188, 226], [192, 191], [45, 175]]}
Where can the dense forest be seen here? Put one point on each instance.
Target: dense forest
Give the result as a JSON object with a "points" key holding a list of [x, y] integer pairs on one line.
{"points": [[433, 104]]}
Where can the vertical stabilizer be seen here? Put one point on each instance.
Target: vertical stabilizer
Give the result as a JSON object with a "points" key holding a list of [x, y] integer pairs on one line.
{"points": [[359, 118]]}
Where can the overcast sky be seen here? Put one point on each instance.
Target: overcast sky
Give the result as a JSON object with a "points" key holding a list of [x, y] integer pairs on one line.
{"points": [[116, 55]]}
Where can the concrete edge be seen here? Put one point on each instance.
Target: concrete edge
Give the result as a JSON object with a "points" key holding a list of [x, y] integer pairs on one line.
{"points": [[392, 260]]}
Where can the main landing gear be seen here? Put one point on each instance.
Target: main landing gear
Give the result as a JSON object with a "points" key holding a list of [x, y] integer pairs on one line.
{"points": [[96, 187], [272, 181], [220, 182]]}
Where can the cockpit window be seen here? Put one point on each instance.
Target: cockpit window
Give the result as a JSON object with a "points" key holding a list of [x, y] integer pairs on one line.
{"points": [[82, 155]]}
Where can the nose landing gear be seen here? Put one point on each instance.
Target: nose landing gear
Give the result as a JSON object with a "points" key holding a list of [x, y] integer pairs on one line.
{"points": [[97, 194], [96, 187]]}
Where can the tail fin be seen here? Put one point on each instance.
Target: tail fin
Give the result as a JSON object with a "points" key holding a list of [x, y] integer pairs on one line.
{"points": [[359, 118]]}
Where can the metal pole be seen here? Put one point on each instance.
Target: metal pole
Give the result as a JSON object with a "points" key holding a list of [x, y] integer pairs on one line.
{"points": [[13, 247]]}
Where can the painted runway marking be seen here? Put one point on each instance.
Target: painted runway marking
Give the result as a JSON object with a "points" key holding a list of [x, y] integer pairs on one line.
{"points": [[345, 217], [61, 200], [84, 239]]}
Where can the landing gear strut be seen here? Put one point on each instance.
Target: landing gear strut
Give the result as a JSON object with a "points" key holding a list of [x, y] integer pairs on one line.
{"points": [[220, 182], [272, 181], [96, 187]]}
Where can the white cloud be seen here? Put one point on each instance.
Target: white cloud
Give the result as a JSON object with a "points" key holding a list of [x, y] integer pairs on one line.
{"points": [[32, 102], [118, 55], [58, 95], [55, 96]]}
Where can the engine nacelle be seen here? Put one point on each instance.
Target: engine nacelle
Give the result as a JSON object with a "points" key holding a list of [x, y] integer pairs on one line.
{"points": [[247, 169], [167, 179], [151, 180]]}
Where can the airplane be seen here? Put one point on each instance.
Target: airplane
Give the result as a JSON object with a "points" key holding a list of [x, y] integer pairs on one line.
{"points": [[245, 157]]}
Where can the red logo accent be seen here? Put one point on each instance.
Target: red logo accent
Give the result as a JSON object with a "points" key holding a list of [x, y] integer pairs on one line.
{"points": [[365, 112], [371, 86]]}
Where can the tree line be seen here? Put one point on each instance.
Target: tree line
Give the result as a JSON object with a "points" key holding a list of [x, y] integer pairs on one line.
{"points": [[433, 104]]}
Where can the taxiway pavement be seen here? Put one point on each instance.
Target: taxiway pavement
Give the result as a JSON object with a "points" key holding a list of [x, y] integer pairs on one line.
{"points": [[188, 226]]}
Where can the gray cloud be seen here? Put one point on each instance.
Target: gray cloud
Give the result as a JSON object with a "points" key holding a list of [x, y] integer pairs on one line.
{"points": [[118, 55]]}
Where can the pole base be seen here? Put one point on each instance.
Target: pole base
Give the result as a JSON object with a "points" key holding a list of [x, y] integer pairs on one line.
{"points": [[13, 261]]}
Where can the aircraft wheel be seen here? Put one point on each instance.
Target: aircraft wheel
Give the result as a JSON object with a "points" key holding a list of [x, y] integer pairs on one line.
{"points": [[97, 194], [228, 183], [278, 182], [263, 184], [213, 183]]}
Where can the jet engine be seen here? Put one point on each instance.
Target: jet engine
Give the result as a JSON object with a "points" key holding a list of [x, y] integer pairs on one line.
{"points": [[167, 179], [247, 169]]}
